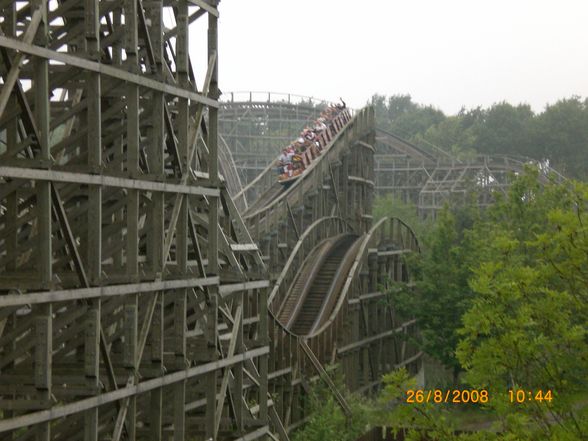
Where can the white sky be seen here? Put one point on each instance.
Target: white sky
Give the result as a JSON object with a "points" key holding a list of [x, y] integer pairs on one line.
{"points": [[448, 53]]}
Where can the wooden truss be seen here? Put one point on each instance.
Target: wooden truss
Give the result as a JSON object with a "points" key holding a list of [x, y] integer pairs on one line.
{"points": [[362, 334], [132, 302]]}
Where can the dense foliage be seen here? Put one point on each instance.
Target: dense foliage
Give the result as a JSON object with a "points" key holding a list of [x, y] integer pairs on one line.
{"points": [[558, 134], [441, 280], [511, 287], [328, 422]]}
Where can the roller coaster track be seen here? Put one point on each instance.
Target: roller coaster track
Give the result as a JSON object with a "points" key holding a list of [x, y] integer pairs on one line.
{"points": [[143, 296], [328, 266]]}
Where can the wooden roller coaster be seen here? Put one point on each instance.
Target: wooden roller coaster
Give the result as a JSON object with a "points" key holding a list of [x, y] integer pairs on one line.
{"points": [[136, 300]]}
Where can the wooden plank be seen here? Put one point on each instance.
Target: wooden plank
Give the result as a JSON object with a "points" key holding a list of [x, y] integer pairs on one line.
{"points": [[203, 4], [235, 334], [112, 396], [11, 77], [103, 291], [113, 72], [103, 180], [325, 377]]}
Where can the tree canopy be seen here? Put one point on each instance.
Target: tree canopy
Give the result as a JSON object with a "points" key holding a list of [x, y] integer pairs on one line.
{"points": [[558, 134], [503, 295]]}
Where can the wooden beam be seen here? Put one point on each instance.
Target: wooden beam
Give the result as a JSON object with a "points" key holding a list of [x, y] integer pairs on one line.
{"points": [[113, 72], [106, 181]]}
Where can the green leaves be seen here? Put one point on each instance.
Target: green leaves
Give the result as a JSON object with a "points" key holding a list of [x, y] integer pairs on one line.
{"points": [[327, 421], [504, 295], [528, 319]]}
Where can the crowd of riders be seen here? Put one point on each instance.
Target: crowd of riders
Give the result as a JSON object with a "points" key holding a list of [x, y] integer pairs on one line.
{"points": [[297, 156]]}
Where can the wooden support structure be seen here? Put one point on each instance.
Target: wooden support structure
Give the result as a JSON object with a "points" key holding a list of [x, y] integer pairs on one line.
{"points": [[118, 252], [136, 301]]}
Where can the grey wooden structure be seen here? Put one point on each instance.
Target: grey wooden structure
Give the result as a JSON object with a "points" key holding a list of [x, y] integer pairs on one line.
{"points": [[425, 175], [352, 324], [128, 307], [138, 299]]}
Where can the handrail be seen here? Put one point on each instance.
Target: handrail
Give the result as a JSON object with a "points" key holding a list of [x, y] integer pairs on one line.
{"points": [[416, 147], [229, 97], [353, 272], [232, 176], [288, 266], [271, 165]]}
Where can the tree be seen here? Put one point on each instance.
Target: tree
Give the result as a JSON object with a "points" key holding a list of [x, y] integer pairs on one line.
{"points": [[560, 134], [441, 295], [326, 419], [400, 115], [451, 135], [526, 322], [390, 206], [504, 129], [527, 327]]}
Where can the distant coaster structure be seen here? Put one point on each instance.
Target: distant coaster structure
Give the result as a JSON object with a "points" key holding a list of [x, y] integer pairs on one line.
{"points": [[425, 175]]}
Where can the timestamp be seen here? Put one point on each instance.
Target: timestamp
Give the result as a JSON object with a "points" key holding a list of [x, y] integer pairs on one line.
{"points": [[520, 396]]}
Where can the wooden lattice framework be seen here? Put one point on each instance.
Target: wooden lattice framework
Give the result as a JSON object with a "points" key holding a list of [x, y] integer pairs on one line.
{"points": [[133, 299], [132, 302], [256, 124], [362, 335], [424, 175]]}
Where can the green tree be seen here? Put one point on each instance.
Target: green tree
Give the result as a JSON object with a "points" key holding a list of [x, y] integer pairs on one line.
{"points": [[442, 294], [451, 135], [326, 419], [560, 134], [390, 206], [526, 321], [527, 325], [400, 115], [504, 129]]}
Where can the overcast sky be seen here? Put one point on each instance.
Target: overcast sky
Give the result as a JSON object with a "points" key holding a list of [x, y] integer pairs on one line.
{"points": [[449, 53]]}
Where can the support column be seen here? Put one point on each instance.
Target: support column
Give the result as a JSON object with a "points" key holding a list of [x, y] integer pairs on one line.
{"points": [[43, 362], [132, 251], [213, 239], [93, 144], [11, 241], [155, 242], [42, 113], [44, 320], [92, 366]]}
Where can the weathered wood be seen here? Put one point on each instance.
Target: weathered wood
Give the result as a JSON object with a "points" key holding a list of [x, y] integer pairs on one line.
{"points": [[136, 79]]}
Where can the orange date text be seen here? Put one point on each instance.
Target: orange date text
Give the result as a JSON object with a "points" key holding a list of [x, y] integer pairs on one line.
{"points": [[453, 396]]}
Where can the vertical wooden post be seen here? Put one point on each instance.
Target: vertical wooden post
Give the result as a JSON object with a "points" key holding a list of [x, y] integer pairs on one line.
{"points": [[263, 360], [92, 366], [44, 319], [156, 144], [9, 27], [156, 232], [132, 252], [213, 238], [93, 143], [43, 362], [182, 67], [42, 113]]}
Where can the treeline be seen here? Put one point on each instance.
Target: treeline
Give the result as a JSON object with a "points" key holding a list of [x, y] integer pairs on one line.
{"points": [[558, 134]]}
